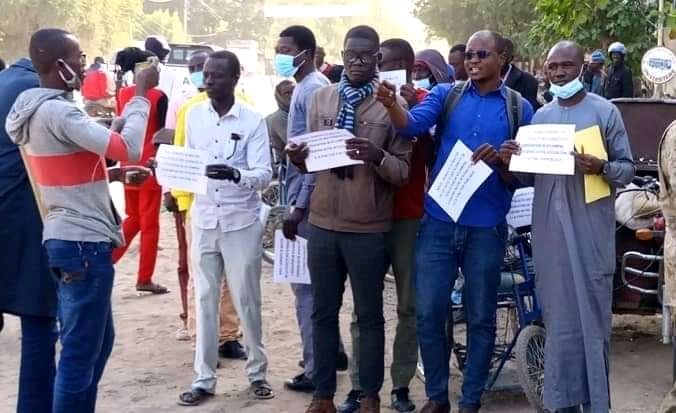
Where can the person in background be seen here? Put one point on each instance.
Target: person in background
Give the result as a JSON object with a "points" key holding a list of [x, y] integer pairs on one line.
{"points": [[331, 71], [350, 214], [594, 77], [143, 203], [295, 52], [225, 228], [574, 241], [170, 81], [397, 54], [277, 123], [620, 81], [230, 333], [429, 69], [98, 86], [28, 287], [456, 58], [65, 151], [476, 242], [517, 79]]}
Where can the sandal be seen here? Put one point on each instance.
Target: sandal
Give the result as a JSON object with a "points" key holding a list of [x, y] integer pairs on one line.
{"points": [[193, 397], [261, 390], [151, 288]]}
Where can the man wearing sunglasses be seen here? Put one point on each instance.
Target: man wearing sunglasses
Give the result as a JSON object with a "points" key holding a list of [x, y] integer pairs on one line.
{"points": [[476, 242], [350, 214]]}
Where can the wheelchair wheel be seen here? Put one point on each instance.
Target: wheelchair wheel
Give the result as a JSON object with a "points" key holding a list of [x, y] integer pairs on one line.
{"points": [[272, 223], [530, 359]]}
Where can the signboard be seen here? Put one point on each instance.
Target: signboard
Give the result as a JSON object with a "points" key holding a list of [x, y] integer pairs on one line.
{"points": [[658, 65]]}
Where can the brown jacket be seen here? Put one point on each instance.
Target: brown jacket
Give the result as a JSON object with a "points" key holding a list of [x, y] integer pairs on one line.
{"points": [[362, 204]]}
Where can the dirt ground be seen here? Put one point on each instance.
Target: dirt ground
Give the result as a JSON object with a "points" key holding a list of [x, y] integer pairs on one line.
{"points": [[149, 368]]}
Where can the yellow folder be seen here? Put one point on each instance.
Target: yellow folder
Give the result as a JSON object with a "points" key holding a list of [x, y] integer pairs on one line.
{"points": [[590, 141]]}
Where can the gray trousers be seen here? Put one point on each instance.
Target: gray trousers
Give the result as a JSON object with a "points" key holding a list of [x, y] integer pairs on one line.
{"points": [[304, 303], [238, 254], [400, 246]]}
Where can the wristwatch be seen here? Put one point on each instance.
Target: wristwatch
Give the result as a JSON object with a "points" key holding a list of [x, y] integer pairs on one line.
{"points": [[606, 167]]}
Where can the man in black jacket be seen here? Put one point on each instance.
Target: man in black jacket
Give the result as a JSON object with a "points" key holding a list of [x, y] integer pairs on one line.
{"points": [[519, 80], [619, 83]]}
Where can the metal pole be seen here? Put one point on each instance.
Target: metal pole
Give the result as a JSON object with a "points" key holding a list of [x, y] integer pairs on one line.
{"points": [[659, 89], [186, 5]]}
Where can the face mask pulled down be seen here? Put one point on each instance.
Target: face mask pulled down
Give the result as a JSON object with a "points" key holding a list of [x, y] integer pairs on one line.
{"points": [[72, 80], [423, 84], [568, 90]]}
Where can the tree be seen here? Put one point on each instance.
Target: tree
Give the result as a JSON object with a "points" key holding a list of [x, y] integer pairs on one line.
{"points": [[218, 21], [101, 26], [456, 20], [594, 24]]}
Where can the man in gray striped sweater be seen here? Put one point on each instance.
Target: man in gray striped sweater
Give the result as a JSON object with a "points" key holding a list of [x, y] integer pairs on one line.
{"points": [[65, 152]]}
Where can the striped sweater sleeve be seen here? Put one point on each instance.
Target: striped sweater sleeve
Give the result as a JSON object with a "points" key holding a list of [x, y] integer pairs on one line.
{"points": [[77, 128]]}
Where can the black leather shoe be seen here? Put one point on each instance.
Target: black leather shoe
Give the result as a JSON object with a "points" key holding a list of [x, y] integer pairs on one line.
{"points": [[401, 401], [300, 383], [232, 350], [351, 403], [341, 361]]}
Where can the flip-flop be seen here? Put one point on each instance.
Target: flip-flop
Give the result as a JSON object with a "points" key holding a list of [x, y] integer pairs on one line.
{"points": [[261, 390], [193, 397]]}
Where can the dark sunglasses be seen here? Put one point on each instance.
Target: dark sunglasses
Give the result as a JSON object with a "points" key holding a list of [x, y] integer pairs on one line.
{"points": [[481, 54]]}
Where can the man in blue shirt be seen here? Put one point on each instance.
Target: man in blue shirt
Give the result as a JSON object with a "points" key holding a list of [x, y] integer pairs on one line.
{"points": [[476, 242]]}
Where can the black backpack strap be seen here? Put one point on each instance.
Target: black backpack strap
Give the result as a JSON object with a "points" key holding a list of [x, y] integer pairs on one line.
{"points": [[450, 103], [514, 111]]}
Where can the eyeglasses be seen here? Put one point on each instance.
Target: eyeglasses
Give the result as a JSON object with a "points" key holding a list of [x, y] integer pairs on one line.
{"points": [[481, 54], [365, 58]]}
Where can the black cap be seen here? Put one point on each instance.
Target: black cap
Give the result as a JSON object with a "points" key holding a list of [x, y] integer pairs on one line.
{"points": [[158, 45]]}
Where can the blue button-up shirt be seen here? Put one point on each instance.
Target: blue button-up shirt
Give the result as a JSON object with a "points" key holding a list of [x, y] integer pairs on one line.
{"points": [[475, 120]]}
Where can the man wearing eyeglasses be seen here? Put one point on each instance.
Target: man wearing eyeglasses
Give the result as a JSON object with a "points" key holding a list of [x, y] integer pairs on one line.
{"points": [[476, 242], [350, 213]]}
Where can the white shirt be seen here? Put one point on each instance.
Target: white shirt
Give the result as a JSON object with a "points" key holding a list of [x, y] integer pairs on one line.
{"points": [[170, 82], [239, 139]]}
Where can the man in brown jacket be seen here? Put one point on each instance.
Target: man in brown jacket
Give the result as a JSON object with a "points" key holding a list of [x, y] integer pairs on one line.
{"points": [[350, 212]]}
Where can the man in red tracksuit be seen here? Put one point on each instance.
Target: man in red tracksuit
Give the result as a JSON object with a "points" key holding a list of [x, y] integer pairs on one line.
{"points": [[142, 203]]}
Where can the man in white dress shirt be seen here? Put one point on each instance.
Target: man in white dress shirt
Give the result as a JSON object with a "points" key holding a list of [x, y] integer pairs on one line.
{"points": [[226, 231]]}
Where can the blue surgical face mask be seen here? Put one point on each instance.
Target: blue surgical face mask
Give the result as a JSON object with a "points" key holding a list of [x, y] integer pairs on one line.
{"points": [[197, 79], [568, 90], [284, 65], [423, 83]]}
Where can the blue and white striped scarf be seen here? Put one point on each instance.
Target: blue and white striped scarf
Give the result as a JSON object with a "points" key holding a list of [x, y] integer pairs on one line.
{"points": [[350, 99]]}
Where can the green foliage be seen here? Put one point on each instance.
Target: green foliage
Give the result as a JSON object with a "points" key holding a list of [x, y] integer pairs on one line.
{"points": [[456, 20], [595, 24], [160, 21], [218, 21]]}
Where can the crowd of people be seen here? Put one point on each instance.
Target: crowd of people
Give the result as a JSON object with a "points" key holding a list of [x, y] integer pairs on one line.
{"points": [[63, 235]]}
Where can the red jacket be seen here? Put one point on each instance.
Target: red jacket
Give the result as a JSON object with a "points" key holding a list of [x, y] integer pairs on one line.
{"points": [[156, 118], [95, 85], [409, 200]]}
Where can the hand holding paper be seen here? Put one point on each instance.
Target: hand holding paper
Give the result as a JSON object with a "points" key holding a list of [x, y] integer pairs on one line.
{"points": [[545, 149], [458, 179], [592, 155], [182, 168], [326, 149]]}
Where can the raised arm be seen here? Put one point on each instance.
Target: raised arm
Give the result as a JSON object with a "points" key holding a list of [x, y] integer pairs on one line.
{"points": [[422, 117]]}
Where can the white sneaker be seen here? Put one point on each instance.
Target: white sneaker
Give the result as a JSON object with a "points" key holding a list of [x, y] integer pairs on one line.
{"points": [[182, 334]]}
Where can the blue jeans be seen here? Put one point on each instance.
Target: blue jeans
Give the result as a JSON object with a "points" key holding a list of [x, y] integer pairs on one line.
{"points": [[36, 374], [441, 248], [85, 275]]}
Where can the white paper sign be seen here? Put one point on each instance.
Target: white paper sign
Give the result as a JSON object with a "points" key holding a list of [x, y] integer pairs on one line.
{"points": [[326, 149], [182, 168], [545, 149], [521, 212], [458, 179], [290, 260], [396, 77]]}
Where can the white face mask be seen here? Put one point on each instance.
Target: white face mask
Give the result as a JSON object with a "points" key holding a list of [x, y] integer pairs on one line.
{"points": [[73, 82]]}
